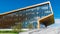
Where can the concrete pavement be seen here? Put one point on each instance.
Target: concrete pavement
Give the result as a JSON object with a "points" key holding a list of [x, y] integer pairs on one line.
{"points": [[43, 31]]}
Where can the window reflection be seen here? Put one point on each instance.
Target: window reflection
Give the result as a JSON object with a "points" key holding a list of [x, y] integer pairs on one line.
{"points": [[25, 16]]}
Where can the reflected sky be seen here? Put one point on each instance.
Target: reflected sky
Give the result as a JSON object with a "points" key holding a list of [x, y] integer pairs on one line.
{"points": [[33, 14]]}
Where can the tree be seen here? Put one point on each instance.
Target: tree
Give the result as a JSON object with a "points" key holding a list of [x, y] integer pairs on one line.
{"points": [[30, 26], [18, 27]]}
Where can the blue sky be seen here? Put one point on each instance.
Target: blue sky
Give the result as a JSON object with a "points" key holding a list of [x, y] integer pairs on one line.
{"points": [[9, 5]]}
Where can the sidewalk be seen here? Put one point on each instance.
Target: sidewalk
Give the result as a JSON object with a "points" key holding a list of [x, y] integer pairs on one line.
{"points": [[43, 31]]}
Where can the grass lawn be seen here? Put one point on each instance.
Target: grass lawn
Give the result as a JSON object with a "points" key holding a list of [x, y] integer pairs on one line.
{"points": [[10, 32]]}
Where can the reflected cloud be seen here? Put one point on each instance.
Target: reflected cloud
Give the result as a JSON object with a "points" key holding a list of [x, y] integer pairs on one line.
{"points": [[44, 7]]}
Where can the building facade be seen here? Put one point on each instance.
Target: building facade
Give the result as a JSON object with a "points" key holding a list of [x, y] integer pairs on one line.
{"points": [[37, 14]]}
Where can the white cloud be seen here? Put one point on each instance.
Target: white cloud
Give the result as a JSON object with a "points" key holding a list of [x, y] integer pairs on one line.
{"points": [[57, 20], [57, 24]]}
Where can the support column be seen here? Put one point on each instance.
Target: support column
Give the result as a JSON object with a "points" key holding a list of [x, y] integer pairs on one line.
{"points": [[38, 24]]}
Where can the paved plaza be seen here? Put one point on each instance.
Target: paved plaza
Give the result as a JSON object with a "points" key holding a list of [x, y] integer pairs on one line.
{"points": [[43, 31]]}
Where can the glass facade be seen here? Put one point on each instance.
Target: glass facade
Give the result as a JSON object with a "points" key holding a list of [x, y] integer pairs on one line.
{"points": [[33, 14], [8, 20], [28, 16]]}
